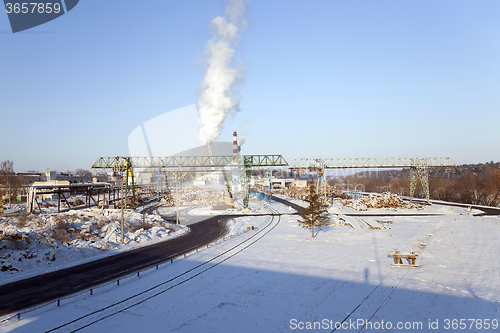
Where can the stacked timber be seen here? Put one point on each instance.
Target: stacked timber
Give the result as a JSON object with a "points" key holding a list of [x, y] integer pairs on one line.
{"points": [[386, 200], [302, 192]]}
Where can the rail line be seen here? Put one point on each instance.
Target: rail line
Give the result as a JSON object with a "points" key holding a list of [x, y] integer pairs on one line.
{"points": [[180, 279]]}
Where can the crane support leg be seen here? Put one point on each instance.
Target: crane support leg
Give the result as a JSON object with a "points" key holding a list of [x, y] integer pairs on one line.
{"points": [[424, 179], [421, 170]]}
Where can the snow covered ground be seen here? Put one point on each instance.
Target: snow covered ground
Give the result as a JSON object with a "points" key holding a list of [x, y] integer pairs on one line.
{"points": [[287, 281], [35, 244]]}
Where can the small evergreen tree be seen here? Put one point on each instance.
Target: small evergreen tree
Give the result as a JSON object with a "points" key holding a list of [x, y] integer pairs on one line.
{"points": [[314, 215]]}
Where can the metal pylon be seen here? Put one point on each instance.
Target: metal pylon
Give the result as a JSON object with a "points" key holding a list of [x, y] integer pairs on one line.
{"points": [[246, 175], [420, 168], [129, 172]]}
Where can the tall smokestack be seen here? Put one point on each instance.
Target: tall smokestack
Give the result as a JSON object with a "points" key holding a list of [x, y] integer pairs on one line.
{"points": [[235, 148]]}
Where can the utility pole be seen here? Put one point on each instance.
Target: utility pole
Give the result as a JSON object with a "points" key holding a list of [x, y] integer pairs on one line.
{"points": [[317, 180], [121, 177], [270, 184], [8, 182], [324, 178]]}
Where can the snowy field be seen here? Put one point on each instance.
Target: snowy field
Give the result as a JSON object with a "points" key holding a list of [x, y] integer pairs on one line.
{"points": [[36, 244], [287, 281]]}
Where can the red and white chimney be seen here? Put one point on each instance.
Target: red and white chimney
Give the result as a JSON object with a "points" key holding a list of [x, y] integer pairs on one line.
{"points": [[235, 148]]}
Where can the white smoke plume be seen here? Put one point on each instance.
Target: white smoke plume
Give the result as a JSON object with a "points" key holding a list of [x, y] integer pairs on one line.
{"points": [[217, 98]]}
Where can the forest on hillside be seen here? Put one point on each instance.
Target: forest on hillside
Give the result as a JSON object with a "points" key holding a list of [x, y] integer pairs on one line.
{"points": [[468, 183]]}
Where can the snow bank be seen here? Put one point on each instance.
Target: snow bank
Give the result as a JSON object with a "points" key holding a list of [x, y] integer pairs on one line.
{"points": [[35, 244]]}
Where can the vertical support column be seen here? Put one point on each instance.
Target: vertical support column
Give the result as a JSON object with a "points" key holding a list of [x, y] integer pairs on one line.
{"points": [[413, 181], [122, 219], [126, 183], [419, 167], [324, 180], [133, 184], [247, 170], [270, 184], [424, 179], [318, 174]]}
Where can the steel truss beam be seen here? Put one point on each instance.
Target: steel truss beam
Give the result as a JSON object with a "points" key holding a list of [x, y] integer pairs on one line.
{"points": [[186, 161], [417, 166], [396, 162]]}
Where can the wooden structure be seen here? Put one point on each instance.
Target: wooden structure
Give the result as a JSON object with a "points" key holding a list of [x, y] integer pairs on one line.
{"points": [[398, 262]]}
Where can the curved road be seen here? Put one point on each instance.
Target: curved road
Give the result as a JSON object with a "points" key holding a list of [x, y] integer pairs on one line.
{"points": [[50, 286]]}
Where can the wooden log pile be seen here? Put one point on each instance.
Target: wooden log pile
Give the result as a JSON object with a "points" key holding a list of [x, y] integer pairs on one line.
{"points": [[386, 200], [302, 192]]}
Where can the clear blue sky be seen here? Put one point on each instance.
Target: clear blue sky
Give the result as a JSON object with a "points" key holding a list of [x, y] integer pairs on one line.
{"points": [[334, 78]]}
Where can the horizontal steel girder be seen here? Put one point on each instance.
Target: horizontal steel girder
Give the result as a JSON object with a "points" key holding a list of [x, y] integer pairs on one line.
{"points": [[396, 162], [189, 161]]}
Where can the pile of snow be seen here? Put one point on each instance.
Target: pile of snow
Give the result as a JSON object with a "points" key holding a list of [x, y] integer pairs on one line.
{"points": [[14, 208], [386, 200], [34, 244], [195, 196], [255, 206]]}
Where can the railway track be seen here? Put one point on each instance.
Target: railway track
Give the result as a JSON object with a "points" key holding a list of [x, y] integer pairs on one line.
{"points": [[139, 298]]}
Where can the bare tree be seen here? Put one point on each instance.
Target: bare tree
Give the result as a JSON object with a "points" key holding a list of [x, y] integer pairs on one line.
{"points": [[6, 175], [83, 172]]}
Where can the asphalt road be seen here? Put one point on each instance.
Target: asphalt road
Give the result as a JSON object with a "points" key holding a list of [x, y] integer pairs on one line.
{"points": [[298, 208], [50, 286], [486, 210]]}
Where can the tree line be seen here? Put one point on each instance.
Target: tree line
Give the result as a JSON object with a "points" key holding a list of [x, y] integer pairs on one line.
{"points": [[477, 184]]}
